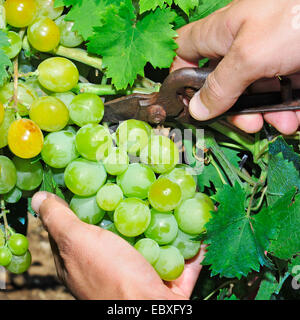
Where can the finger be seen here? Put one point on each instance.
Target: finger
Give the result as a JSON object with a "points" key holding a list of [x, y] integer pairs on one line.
{"points": [[249, 123], [185, 284], [180, 63], [285, 122], [56, 216]]}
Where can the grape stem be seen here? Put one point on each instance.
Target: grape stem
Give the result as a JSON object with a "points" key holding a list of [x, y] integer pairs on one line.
{"points": [[16, 78], [4, 211]]}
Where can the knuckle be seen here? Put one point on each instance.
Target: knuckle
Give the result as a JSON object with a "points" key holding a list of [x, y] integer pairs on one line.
{"points": [[213, 88]]}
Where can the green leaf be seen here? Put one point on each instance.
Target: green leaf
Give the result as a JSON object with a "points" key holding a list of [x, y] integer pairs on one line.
{"points": [[5, 62], [237, 242], [209, 175], [49, 184], [126, 45], [286, 214], [186, 5], [282, 176], [268, 287], [294, 266], [146, 5]]}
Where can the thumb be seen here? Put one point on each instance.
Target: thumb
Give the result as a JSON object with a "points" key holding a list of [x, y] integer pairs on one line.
{"points": [[58, 219], [224, 85]]}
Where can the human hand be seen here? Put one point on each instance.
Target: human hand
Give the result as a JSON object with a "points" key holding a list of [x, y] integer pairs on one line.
{"points": [[97, 264], [255, 39]]}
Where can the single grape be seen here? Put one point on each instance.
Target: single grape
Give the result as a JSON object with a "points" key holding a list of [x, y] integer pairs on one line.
{"points": [[164, 195], [59, 149], [109, 196], [185, 181], [136, 180], [132, 217], [116, 162], [20, 264], [25, 138], [161, 154], [9, 118], [84, 177], [20, 13], [58, 74], [68, 37], [65, 97], [86, 108], [186, 244], [170, 263], [15, 45], [1, 113], [149, 249], [29, 175], [43, 34], [26, 95], [93, 142], [133, 135], [18, 244], [2, 238], [8, 175], [5, 256], [193, 214], [163, 227], [49, 113], [87, 209], [13, 196], [46, 9], [112, 228]]}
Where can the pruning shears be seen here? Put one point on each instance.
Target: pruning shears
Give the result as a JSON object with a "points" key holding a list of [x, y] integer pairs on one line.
{"points": [[171, 102]]}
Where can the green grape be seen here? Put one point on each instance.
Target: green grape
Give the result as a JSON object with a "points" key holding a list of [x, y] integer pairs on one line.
{"points": [[163, 227], [112, 228], [29, 174], [193, 214], [65, 97], [49, 113], [84, 177], [58, 176], [86, 209], [170, 263], [15, 45], [161, 154], [86, 108], [20, 13], [164, 195], [149, 249], [59, 149], [1, 113], [58, 74], [132, 217], [93, 142], [136, 180], [109, 196], [8, 175], [13, 196], [116, 162], [43, 34], [185, 181], [105, 222], [186, 245], [5, 256], [2, 238], [68, 37], [46, 9], [20, 264], [18, 244], [133, 135], [26, 95], [9, 118]]}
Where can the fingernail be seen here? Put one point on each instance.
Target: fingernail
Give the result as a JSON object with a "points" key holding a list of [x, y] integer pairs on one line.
{"points": [[197, 108], [37, 201]]}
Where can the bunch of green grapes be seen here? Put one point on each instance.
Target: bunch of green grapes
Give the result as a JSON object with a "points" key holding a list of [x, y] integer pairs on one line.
{"points": [[152, 203]]}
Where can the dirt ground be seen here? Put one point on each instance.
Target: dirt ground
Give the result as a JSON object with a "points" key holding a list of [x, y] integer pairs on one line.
{"points": [[40, 282]]}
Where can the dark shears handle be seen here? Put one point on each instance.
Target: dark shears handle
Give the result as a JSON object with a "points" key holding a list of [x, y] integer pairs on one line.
{"points": [[179, 87]]}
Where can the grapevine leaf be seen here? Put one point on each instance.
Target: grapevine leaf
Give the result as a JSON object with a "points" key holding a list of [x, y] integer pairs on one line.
{"points": [[232, 156], [286, 214], [268, 287], [236, 241], [207, 7], [282, 176], [49, 184], [209, 175], [186, 5], [146, 5], [4, 60], [126, 45], [294, 266]]}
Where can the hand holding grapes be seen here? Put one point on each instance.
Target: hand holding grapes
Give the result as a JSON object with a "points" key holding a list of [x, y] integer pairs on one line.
{"points": [[97, 264], [257, 40]]}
